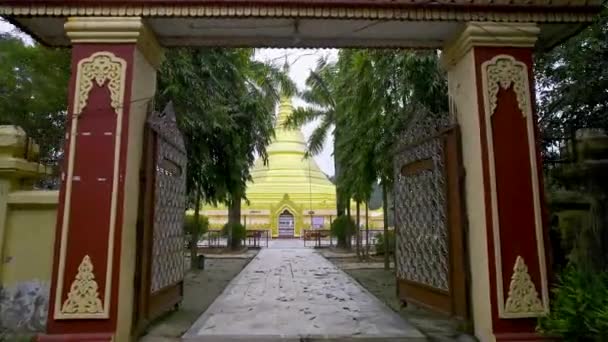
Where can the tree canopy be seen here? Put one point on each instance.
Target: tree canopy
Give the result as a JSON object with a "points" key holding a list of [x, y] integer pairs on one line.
{"points": [[368, 97], [33, 92], [572, 82], [225, 102]]}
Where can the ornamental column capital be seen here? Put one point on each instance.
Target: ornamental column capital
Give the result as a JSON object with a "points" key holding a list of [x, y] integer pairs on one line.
{"points": [[115, 30], [488, 34]]}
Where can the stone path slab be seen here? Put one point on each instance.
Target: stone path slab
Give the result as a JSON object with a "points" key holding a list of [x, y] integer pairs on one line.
{"points": [[295, 294]]}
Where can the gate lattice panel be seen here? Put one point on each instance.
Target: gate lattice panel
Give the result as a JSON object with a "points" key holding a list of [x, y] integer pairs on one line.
{"points": [[170, 199], [430, 252], [423, 238], [161, 258]]}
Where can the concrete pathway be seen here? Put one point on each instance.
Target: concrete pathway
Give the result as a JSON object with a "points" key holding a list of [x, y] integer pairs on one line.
{"points": [[294, 294]]}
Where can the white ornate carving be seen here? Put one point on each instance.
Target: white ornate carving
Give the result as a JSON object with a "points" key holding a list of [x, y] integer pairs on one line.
{"points": [[523, 297], [83, 297], [504, 71], [100, 68]]}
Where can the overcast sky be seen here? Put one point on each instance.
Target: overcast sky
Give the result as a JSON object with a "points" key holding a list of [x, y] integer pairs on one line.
{"points": [[301, 61]]}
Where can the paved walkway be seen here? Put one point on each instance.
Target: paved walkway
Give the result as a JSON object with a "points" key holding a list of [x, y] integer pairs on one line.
{"points": [[291, 294]]}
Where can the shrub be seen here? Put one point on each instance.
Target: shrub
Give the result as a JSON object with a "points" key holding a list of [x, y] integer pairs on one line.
{"points": [[343, 227], [579, 310], [379, 243], [239, 233], [193, 234], [190, 225]]}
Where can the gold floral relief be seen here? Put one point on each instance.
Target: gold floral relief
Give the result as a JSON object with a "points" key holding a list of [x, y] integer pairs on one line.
{"points": [[83, 297], [102, 68], [523, 298]]}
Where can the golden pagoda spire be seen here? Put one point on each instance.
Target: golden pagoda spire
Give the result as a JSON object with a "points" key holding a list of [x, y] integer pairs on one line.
{"points": [[285, 110], [288, 168]]}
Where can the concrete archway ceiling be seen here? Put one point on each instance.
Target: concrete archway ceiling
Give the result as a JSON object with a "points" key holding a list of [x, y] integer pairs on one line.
{"points": [[291, 32]]}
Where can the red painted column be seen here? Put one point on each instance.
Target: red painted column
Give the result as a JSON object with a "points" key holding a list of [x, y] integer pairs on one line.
{"points": [[95, 223], [491, 65]]}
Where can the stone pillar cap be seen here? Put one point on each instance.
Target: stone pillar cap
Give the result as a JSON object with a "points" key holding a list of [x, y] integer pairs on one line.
{"points": [[17, 153]]}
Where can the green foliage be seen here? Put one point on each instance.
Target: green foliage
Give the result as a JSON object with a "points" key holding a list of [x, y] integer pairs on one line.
{"points": [[203, 85], [33, 92], [572, 80], [380, 91], [579, 309], [379, 243], [225, 101], [343, 228], [236, 231], [586, 234], [368, 98], [190, 225]]}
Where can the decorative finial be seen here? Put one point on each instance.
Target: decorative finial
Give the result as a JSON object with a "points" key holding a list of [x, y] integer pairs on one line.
{"points": [[286, 65]]}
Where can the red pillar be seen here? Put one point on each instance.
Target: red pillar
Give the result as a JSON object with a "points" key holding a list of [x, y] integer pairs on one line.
{"points": [[491, 89], [94, 246]]}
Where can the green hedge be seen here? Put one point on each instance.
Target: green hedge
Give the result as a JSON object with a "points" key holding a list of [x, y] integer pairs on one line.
{"points": [[380, 243], [579, 307], [343, 229], [190, 225], [239, 232]]}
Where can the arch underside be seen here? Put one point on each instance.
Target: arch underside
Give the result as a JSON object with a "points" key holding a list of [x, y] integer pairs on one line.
{"points": [[306, 24]]}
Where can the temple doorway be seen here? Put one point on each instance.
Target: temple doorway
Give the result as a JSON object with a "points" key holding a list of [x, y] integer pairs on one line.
{"points": [[286, 224]]}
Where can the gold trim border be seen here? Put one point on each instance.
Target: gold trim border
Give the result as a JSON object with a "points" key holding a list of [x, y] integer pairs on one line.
{"points": [[527, 113], [414, 11], [58, 314]]}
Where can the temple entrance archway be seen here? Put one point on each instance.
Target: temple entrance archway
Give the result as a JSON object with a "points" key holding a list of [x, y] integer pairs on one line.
{"points": [[286, 224], [487, 50]]}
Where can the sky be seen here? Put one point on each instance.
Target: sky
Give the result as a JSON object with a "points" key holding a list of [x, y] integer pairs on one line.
{"points": [[300, 61]]}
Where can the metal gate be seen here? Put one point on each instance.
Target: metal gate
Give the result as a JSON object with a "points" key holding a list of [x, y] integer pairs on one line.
{"points": [[429, 217], [160, 238]]}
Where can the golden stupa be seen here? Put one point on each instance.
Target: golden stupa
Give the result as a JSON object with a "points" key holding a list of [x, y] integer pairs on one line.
{"points": [[290, 193]]}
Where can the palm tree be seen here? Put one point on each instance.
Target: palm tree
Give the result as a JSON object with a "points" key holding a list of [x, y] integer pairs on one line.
{"points": [[368, 97], [320, 95]]}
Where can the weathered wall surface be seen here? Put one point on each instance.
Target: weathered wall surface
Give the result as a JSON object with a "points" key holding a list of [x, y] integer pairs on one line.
{"points": [[27, 233]]}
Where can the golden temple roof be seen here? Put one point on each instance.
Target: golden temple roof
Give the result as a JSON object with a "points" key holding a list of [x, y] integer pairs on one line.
{"points": [[289, 171]]}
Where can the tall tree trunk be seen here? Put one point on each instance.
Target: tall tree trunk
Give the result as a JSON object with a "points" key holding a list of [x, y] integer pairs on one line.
{"points": [[367, 229], [387, 264], [350, 237], [195, 234], [234, 217], [340, 200], [358, 233], [348, 207]]}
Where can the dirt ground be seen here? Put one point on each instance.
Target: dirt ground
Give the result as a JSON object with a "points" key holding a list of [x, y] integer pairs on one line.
{"points": [[381, 283], [201, 287]]}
